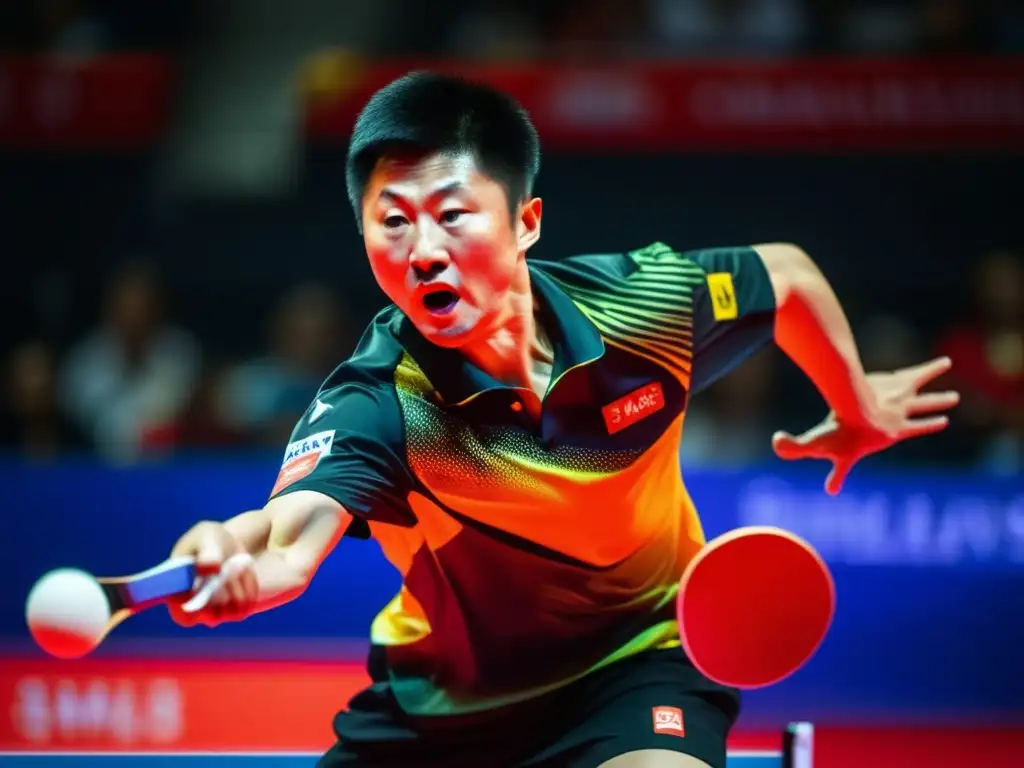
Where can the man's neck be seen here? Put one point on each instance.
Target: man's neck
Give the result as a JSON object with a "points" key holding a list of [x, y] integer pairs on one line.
{"points": [[508, 352]]}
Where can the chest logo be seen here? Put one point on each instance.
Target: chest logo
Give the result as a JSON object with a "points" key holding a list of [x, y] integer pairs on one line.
{"points": [[637, 405]]}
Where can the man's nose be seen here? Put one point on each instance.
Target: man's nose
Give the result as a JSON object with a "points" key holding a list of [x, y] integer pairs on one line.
{"points": [[428, 258]]}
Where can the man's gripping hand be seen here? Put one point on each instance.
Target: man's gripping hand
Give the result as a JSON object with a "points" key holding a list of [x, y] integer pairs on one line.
{"points": [[897, 410], [222, 564]]}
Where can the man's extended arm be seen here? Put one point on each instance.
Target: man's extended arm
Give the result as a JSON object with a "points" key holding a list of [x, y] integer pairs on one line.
{"points": [[287, 540], [870, 412], [811, 327]]}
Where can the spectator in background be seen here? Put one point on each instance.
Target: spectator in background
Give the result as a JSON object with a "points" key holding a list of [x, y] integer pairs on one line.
{"points": [[988, 356], [266, 396], [502, 30], [69, 28], [869, 26], [883, 27], [729, 27], [888, 343], [948, 26], [32, 424], [731, 426], [601, 30], [1006, 26], [202, 424], [133, 371]]}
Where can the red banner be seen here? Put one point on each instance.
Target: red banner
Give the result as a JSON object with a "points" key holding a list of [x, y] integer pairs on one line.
{"points": [[115, 101], [799, 105], [793, 106], [140, 705]]}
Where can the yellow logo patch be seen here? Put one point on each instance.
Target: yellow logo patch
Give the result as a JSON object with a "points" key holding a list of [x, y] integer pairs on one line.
{"points": [[723, 296]]}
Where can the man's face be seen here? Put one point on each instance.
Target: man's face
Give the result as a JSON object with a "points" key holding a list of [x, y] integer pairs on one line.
{"points": [[443, 245]]}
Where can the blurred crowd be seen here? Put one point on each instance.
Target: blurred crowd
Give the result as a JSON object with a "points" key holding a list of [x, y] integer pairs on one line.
{"points": [[89, 27], [515, 29], [138, 386], [682, 28]]}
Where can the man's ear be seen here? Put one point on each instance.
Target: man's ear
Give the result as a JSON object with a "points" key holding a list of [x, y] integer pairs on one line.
{"points": [[528, 225]]}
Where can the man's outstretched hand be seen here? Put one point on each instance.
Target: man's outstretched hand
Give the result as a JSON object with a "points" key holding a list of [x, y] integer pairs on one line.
{"points": [[900, 411]]}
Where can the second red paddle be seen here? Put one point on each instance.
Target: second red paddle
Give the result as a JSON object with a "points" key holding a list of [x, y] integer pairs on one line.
{"points": [[754, 605]]}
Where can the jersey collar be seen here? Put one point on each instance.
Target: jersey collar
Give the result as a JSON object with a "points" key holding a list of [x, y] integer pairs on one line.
{"points": [[575, 339]]}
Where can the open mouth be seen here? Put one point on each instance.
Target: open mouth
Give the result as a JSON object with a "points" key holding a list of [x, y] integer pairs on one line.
{"points": [[440, 302]]}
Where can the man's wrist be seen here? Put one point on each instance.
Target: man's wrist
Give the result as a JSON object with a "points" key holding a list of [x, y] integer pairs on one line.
{"points": [[861, 407]]}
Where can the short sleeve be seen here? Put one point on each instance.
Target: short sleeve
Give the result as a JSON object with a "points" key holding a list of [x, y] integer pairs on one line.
{"points": [[348, 446], [733, 311]]}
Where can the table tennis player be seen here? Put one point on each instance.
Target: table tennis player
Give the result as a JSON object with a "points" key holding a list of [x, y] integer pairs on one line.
{"points": [[508, 432]]}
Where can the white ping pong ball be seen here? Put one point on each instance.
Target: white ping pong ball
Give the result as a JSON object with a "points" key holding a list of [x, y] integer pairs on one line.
{"points": [[67, 613]]}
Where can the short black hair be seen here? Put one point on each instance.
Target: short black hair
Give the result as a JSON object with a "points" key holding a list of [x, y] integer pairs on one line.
{"points": [[429, 112]]}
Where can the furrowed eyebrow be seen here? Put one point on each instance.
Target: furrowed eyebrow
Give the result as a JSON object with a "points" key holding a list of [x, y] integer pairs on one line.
{"points": [[442, 191]]}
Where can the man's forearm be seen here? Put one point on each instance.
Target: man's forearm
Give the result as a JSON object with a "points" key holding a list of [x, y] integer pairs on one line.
{"points": [[812, 329], [279, 580], [287, 544], [251, 530]]}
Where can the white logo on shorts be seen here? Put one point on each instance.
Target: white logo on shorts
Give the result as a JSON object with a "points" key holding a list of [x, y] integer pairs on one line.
{"points": [[668, 720]]}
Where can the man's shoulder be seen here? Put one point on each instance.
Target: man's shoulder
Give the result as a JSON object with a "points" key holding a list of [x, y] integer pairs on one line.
{"points": [[653, 264], [372, 363], [586, 269], [362, 385], [353, 404]]}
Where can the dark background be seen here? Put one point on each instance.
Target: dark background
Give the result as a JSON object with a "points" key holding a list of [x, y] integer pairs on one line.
{"points": [[181, 269]]}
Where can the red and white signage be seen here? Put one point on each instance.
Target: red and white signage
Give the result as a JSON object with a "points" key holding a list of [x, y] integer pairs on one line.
{"points": [[116, 101], [736, 105], [158, 705], [827, 104]]}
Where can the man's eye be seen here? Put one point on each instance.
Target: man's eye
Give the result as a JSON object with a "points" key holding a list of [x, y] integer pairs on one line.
{"points": [[451, 217], [394, 222]]}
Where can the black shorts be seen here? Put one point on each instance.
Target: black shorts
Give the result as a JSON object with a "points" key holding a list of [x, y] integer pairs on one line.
{"points": [[654, 700]]}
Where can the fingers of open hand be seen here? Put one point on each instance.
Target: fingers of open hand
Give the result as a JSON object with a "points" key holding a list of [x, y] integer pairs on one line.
{"points": [[920, 427], [925, 373], [840, 470], [905, 383], [932, 402], [822, 442], [928, 408], [815, 443]]}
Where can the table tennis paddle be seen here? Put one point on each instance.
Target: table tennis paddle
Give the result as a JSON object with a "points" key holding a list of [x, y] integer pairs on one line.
{"points": [[69, 612], [754, 605]]}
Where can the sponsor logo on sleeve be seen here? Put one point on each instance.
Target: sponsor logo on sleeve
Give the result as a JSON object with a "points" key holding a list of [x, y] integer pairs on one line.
{"points": [[723, 296], [301, 458]]}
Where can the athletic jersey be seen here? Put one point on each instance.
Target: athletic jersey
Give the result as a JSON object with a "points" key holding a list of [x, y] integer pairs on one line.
{"points": [[532, 552]]}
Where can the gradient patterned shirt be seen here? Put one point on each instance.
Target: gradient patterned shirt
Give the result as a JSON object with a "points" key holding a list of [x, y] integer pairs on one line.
{"points": [[532, 552]]}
